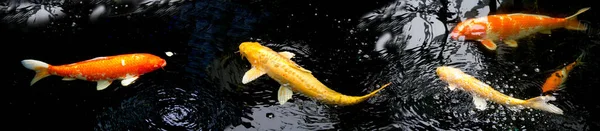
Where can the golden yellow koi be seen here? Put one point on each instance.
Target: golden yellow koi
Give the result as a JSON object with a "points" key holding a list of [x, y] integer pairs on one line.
{"points": [[291, 76], [482, 92]]}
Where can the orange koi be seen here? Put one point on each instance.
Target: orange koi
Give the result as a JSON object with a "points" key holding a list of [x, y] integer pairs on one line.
{"points": [[557, 79], [511, 27], [103, 70]]}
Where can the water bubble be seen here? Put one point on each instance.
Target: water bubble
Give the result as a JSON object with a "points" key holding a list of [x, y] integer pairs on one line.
{"points": [[532, 119], [536, 70], [524, 75], [471, 112], [169, 54]]}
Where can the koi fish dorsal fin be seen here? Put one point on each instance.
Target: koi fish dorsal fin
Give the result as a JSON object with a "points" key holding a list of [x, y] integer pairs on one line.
{"points": [[574, 16], [97, 58], [300, 68]]}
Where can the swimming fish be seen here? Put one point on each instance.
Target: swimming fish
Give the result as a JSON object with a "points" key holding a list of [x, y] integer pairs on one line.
{"points": [[482, 92], [292, 77], [511, 27], [103, 70], [557, 79]]}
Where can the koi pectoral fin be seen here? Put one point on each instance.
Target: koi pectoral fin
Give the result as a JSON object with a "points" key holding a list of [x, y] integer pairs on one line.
{"points": [[547, 32], [102, 84], [286, 54], [452, 87], [252, 74], [511, 43], [127, 81], [68, 79], [489, 44], [284, 94], [480, 103]]}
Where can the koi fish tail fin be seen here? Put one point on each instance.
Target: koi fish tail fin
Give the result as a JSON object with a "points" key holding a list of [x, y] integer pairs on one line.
{"points": [[541, 103], [574, 24], [365, 97], [40, 68], [579, 60]]}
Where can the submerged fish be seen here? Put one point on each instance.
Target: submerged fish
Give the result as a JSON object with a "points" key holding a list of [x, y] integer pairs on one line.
{"points": [[482, 92], [291, 76], [126, 67], [511, 27], [557, 80]]}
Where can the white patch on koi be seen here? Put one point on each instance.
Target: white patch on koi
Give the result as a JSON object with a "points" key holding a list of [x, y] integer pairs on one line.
{"points": [[122, 62], [477, 27]]}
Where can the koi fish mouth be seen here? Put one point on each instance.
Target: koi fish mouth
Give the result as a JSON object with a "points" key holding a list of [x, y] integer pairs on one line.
{"points": [[241, 54]]}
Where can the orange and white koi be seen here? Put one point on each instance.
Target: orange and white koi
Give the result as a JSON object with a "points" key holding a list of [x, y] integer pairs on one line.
{"points": [[103, 70], [292, 77], [557, 80], [511, 27], [482, 92]]}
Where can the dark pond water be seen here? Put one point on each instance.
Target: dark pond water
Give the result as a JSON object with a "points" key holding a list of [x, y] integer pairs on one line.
{"points": [[352, 47]]}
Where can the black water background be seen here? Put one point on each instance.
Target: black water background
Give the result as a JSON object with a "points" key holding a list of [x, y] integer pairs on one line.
{"points": [[54, 104]]}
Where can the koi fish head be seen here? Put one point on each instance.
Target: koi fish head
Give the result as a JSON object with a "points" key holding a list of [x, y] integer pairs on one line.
{"points": [[251, 51], [447, 73], [471, 29], [154, 62]]}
